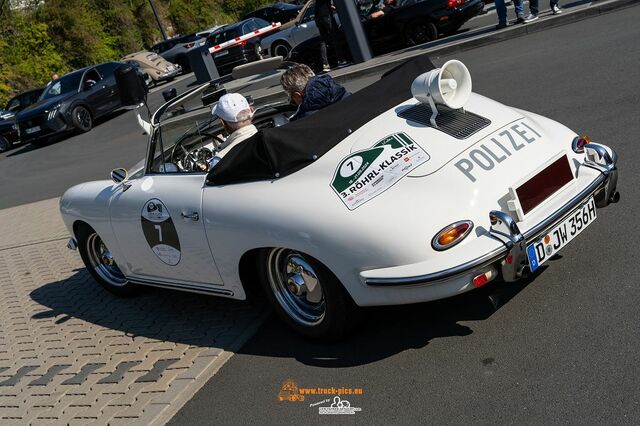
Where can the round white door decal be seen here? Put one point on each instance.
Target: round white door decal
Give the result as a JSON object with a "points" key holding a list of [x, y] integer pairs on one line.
{"points": [[160, 232]]}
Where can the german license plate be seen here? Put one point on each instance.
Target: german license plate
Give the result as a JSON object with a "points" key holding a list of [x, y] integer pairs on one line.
{"points": [[32, 130], [546, 246]]}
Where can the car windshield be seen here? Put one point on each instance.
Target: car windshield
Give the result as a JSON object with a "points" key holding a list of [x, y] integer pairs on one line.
{"points": [[65, 84]]}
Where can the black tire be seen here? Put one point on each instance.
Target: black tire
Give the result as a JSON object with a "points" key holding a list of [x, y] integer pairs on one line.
{"points": [[82, 119], [108, 276], [420, 31], [280, 48], [331, 319], [4, 144]]}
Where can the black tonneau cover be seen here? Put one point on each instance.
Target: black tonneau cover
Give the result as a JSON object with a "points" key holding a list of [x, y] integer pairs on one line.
{"points": [[277, 152]]}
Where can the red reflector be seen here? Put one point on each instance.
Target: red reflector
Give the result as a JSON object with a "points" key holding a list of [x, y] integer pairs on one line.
{"points": [[237, 38], [509, 259], [480, 280]]}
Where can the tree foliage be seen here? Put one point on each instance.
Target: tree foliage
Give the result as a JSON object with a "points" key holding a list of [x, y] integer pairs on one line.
{"points": [[38, 37]]}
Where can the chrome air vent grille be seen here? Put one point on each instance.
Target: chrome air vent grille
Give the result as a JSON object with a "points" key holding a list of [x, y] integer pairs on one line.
{"points": [[453, 122]]}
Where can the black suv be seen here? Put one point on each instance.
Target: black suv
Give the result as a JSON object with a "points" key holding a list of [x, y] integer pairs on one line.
{"points": [[9, 135], [71, 102]]}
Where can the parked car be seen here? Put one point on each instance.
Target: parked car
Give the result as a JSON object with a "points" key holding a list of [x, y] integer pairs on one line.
{"points": [[276, 12], [9, 135], [23, 100], [412, 23], [205, 33], [240, 53], [175, 49], [158, 68], [71, 103], [290, 35], [4, 114], [370, 201]]}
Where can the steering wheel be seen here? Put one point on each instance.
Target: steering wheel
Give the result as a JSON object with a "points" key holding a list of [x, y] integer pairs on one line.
{"points": [[187, 158]]}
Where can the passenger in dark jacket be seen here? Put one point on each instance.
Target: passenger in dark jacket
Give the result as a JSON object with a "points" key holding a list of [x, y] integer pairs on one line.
{"points": [[309, 91]]}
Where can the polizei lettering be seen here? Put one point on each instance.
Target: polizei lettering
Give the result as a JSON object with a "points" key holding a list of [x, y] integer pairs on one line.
{"points": [[499, 148], [373, 174]]}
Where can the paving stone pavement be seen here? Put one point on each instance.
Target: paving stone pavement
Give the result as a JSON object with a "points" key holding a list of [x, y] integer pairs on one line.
{"points": [[72, 353]]}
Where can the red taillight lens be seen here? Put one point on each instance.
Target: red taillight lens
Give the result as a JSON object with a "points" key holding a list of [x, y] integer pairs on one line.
{"points": [[454, 3], [579, 144], [482, 279], [451, 235]]}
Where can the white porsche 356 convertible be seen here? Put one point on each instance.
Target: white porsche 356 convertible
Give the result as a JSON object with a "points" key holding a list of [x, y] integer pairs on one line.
{"points": [[413, 189]]}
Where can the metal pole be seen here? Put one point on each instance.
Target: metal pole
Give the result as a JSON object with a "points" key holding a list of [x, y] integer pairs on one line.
{"points": [[353, 31], [155, 13]]}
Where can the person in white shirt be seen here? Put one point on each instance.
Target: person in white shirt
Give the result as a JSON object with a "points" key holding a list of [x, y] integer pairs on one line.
{"points": [[236, 114]]}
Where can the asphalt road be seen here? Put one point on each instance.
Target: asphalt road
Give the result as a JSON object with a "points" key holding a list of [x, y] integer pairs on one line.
{"points": [[560, 348]]}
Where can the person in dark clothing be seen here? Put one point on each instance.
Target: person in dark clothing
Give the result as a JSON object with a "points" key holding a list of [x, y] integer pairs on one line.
{"points": [[328, 32], [386, 7], [310, 92]]}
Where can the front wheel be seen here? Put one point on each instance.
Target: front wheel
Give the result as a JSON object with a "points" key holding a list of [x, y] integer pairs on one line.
{"points": [[82, 119], [306, 295], [4, 144], [419, 32], [101, 265]]}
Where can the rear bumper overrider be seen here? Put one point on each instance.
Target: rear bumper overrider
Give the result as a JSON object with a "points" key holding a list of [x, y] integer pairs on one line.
{"points": [[511, 259]]}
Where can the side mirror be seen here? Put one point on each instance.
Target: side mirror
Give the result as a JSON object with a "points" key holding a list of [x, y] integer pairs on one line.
{"points": [[119, 175], [89, 84]]}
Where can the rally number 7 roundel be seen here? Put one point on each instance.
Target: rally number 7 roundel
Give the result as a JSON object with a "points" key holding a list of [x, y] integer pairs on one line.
{"points": [[160, 232]]}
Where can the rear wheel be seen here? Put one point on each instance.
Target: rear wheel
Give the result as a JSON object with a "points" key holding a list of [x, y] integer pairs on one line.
{"points": [[306, 295], [280, 48], [100, 263], [4, 144], [419, 32], [82, 119]]}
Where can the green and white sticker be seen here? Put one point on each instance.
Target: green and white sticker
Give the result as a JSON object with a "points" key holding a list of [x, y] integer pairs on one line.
{"points": [[366, 174]]}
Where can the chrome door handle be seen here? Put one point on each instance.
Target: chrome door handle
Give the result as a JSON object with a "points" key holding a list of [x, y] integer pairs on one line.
{"points": [[193, 216]]}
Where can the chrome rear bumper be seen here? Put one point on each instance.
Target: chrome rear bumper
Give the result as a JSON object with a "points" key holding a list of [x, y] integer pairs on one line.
{"points": [[511, 259]]}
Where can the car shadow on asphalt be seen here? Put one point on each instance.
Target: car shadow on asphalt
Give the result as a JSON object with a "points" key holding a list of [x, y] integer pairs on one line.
{"points": [[192, 319], [387, 331], [32, 146], [154, 313]]}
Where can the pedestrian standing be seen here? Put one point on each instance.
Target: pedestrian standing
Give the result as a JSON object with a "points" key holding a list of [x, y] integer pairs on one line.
{"points": [[534, 10], [328, 32], [501, 11]]}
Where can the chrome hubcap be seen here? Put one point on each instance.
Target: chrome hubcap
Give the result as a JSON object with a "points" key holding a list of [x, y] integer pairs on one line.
{"points": [[103, 263], [296, 286]]}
